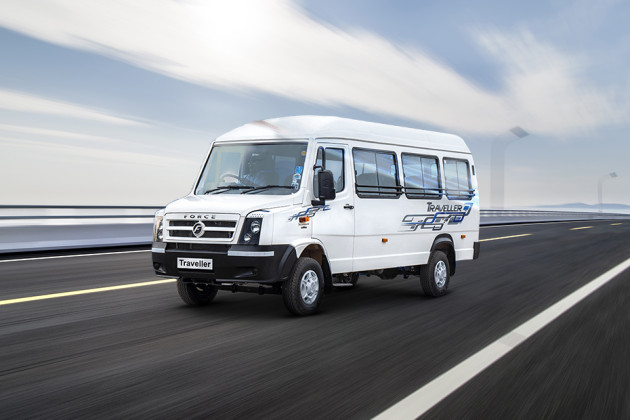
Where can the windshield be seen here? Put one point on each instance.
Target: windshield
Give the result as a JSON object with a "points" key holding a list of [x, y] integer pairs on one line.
{"points": [[254, 168]]}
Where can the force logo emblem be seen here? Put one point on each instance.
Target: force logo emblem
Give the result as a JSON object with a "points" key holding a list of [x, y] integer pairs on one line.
{"points": [[198, 229]]}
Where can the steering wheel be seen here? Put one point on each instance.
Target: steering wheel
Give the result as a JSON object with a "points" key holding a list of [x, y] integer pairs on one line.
{"points": [[240, 180]]}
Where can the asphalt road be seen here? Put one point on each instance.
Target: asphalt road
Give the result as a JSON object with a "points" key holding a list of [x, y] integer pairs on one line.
{"points": [[139, 352]]}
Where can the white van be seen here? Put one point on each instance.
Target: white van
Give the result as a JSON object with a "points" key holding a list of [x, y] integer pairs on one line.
{"points": [[297, 205]]}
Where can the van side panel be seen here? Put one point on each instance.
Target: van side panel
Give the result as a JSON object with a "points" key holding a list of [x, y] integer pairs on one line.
{"points": [[392, 232]]}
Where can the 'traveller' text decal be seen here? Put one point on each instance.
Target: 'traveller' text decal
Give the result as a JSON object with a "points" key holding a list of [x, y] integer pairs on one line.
{"points": [[441, 215]]}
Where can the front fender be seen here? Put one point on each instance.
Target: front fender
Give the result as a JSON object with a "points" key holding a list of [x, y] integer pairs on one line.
{"points": [[301, 244]]}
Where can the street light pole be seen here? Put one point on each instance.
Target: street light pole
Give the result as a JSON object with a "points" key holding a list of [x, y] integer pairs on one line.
{"points": [[497, 166], [599, 187]]}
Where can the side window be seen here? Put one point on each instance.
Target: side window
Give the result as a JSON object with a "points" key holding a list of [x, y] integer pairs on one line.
{"points": [[421, 176], [331, 159], [377, 174], [457, 177]]}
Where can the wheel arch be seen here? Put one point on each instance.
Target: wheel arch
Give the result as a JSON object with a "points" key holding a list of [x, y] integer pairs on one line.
{"points": [[316, 251], [444, 243]]}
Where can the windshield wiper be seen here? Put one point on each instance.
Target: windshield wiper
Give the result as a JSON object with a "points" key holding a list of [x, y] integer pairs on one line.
{"points": [[265, 187], [224, 188]]}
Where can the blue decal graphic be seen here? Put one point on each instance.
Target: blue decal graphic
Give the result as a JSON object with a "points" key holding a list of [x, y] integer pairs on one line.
{"points": [[299, 169], [310, 212], [445, 214]]}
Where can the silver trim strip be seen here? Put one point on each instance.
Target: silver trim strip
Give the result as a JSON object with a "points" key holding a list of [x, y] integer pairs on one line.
{"points": [[158, 250], [207, 229], [250, 253]]}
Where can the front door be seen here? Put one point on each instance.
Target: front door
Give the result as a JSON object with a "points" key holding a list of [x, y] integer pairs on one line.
{"points": [[334, 224]]}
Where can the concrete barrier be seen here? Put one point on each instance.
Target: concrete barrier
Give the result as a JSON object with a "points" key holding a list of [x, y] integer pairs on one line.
{"points": [[37, 228]]}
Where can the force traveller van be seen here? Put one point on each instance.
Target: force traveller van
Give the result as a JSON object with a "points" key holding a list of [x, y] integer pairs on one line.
{"points": [[297, 205]]}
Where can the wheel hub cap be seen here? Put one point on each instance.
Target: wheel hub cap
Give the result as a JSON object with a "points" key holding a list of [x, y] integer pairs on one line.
{"points": [[309, 287], [439, 274]]}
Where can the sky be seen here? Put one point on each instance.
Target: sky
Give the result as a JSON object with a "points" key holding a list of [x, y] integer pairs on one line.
{"points": [[115, 102]]}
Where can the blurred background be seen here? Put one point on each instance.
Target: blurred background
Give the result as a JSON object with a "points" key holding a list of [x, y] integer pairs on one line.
{"points": [[107, 110], [116, 102]]}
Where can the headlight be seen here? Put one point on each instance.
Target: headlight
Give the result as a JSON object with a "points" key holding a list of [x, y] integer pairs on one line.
{"points": [[255, 227], [158, 226], [250, 234]]}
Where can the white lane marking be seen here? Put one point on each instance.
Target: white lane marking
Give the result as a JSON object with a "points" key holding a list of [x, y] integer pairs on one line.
{"points": [[84, 292], [75, 255], [505, 237], [581, 227], [422, 400]]}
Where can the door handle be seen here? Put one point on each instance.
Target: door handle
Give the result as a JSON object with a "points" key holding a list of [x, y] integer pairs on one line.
{"points": [[348, 206]]}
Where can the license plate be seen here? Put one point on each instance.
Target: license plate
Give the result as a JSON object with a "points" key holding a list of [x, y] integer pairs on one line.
{"points": [[194, 263]]}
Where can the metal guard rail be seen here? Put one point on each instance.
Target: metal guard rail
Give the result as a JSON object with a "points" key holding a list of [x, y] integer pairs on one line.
{"points": [[33, 228]]}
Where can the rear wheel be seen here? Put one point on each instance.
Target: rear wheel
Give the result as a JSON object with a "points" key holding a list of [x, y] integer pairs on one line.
{"points": [[435, 276], [302, 292], [195, 294]]}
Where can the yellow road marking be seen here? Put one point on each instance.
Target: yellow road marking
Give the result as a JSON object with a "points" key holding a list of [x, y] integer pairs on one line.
{"points": [[582, 227], [84, 292], [615, 224], [505, 237]]}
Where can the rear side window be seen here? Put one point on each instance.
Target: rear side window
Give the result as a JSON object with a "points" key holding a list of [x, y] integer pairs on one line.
{"points": [[376, 173], [421, 176], [457, 178]]}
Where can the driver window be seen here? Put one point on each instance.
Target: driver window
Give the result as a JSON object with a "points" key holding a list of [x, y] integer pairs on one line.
{"points": [[228, 166], [331, 159]]}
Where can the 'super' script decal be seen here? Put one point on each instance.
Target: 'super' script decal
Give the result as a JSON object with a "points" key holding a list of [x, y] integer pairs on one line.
{"points": [[441, 215]]}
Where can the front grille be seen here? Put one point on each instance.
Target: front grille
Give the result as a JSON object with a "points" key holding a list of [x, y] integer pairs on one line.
{"points": [[211, 234], [208, 223], [198, 247], [215, 227]]}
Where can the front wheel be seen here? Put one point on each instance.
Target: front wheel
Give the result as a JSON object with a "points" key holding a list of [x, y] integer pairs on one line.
{"points": [[195, 294], [302, 292], [434, 276]]}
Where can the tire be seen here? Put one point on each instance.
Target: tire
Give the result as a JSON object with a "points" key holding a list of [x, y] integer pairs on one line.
{"points": [[303, 291], [435, 276], [195, 294]]}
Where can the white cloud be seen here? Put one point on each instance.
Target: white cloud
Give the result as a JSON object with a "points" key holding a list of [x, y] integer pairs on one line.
{"points": [[102, 155], [45, 172], [52, 133], [544, 88], [22, 102], [274, 47], [98, 148]]}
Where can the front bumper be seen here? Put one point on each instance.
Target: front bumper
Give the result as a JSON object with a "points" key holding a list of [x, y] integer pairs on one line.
{"points": [[230, 263]]}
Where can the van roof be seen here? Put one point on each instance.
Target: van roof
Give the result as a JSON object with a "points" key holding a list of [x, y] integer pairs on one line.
{"points": [[310, 126]]}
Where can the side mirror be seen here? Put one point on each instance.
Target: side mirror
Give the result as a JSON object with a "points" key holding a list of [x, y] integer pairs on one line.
{"points": [[326, 186]]}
